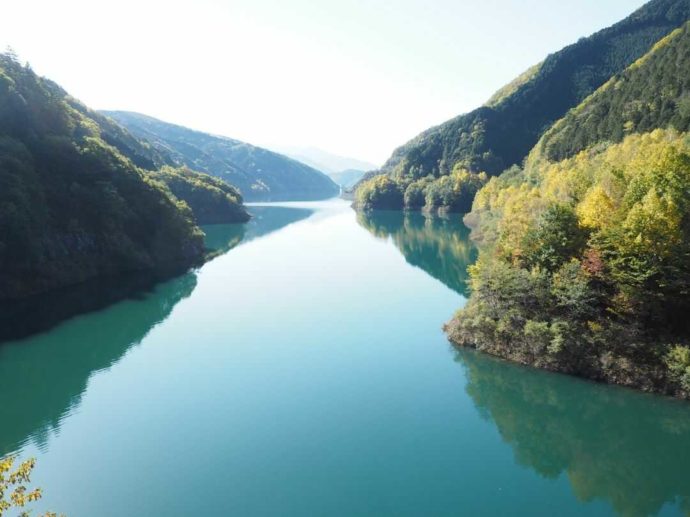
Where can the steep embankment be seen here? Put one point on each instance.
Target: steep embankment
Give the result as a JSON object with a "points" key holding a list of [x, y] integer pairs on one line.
{"points": [[261, 175], [584, 263], [74, 204]]}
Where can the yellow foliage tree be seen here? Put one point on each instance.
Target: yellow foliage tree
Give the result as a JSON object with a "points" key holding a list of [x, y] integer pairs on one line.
{"points": [[596, 209], [14, 492]]}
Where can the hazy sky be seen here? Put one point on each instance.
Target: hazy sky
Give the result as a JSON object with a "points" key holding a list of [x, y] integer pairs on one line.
{"points": [[354, 77]]}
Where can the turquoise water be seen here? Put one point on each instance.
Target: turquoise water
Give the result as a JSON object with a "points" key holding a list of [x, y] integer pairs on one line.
{"points": [[303, 371]]}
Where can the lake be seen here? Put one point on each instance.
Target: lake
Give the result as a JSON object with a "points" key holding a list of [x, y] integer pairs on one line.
{"points": [[303, 371]]}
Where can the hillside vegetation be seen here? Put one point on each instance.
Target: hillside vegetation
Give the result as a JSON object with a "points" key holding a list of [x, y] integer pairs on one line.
{"points": [[584, 265], [450, 193], [212, 200], [584, 262], [652, 93], [501, 133], [76, 198], [259, 174]]}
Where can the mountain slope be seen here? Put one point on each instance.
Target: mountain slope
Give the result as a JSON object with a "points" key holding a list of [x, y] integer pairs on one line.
{"points": [[583, 262], [72, 207], [652, 93], [501, 133], [261, 175], [212, 200]]}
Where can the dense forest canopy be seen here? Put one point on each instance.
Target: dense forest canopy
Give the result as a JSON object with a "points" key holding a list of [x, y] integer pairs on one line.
{"points": [[77, 196], [585, 265], [211, 199], [259, 174], [501, 133], [585, 251], [450, 193], [652, 93]]}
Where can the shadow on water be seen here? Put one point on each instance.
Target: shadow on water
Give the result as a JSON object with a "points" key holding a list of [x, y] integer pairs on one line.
{"points": [[630, 449], [440, 246], [43, 377], [21, 318]]}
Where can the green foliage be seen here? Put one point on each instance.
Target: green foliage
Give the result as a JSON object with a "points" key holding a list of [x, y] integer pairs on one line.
{"points": [[511, 88], [455, 192], [678, 362], [258, 173], [584, 265], [415, 193], [211, 199], [381, 192], [555, 238], [452, 193], [652, 93], [72, 206], [501, 133]]}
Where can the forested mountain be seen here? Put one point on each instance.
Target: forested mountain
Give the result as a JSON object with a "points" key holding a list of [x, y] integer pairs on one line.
{"points": [[501, 133], [652, 93], [76, 200], [584, 263], [212, 200], [261, 175]]}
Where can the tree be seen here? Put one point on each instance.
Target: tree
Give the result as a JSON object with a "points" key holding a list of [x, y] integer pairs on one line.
{"points": [[556, 238], [14, 492], [11, 53], [381, 193]]}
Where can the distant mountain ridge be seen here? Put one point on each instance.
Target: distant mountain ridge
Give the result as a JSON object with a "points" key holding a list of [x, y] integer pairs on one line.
{"points": [[325, 161], [347, 178], [260, 174]]}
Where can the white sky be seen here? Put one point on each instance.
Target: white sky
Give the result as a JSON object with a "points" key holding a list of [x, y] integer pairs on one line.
{"points": [[354, 77]]}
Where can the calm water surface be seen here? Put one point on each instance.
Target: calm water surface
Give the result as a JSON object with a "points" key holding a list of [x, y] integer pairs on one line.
{"points": [[303, 371]]}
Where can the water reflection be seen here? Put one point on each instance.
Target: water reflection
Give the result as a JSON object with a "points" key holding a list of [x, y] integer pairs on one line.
{"points": [[43, 377], [21, 318], [221, 238], [439, 245], [630, 449]]}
